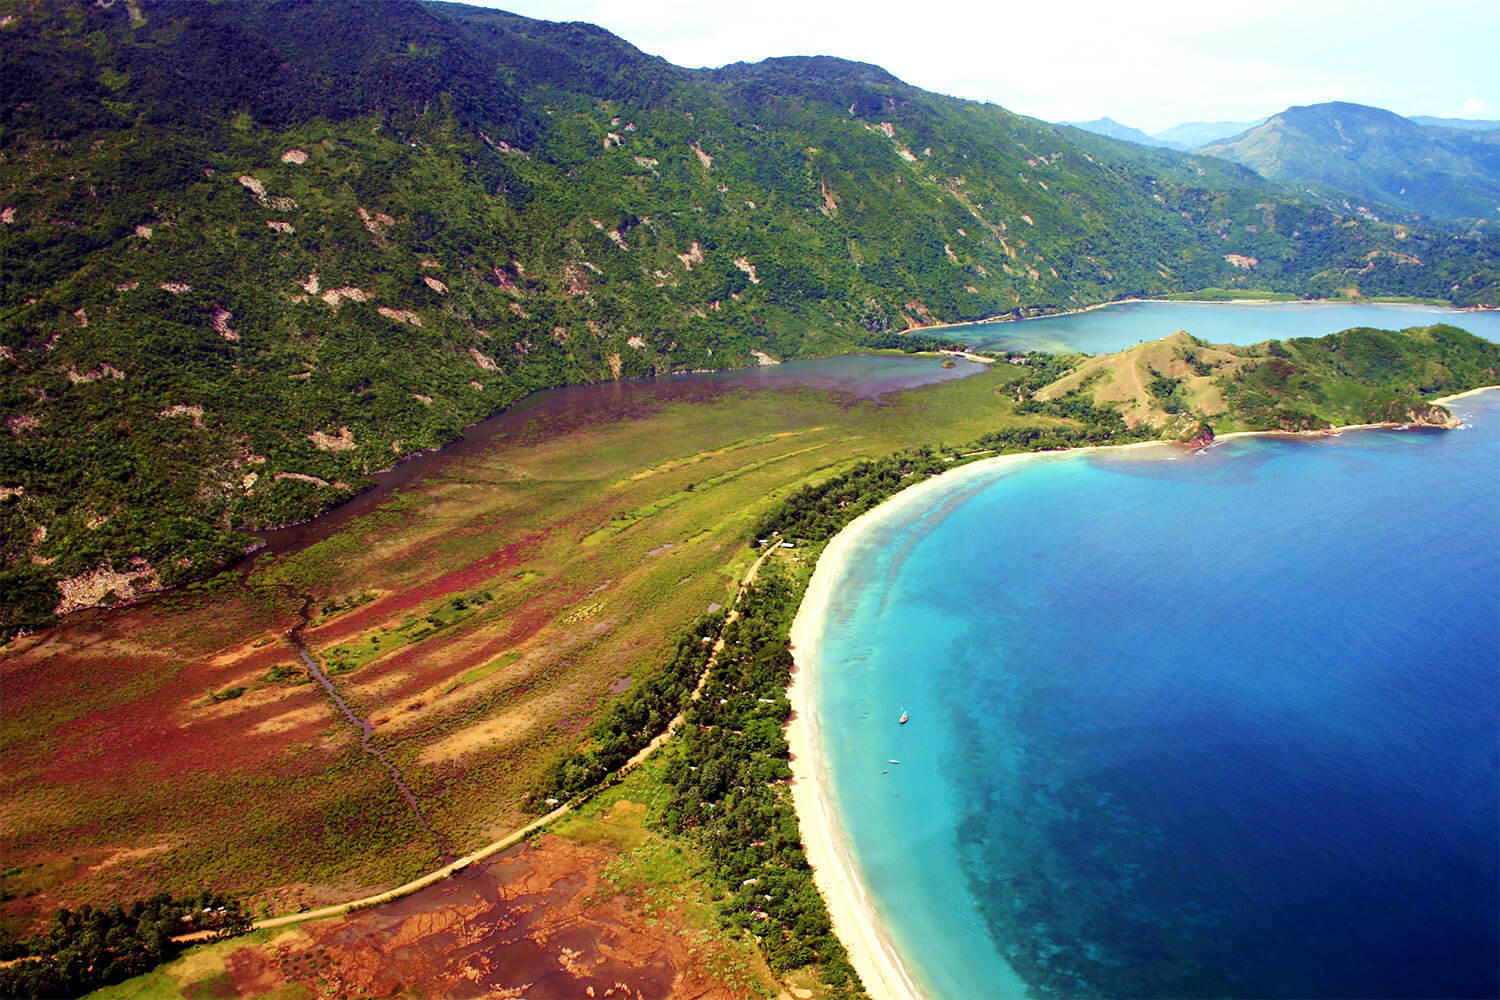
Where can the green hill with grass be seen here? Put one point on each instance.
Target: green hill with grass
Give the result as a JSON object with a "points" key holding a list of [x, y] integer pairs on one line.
{"points": [[1182, 386], [251, 252]]}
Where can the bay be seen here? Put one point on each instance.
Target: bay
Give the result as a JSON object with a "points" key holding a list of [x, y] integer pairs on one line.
{"points": [[1218, 724]]}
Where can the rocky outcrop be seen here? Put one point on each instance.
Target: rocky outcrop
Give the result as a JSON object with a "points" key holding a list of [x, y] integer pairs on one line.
{"points": [[1433, 415], [1191, 429], [344, 441], [105, 585]]}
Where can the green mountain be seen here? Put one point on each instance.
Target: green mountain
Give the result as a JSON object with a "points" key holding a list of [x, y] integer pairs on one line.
{"points": [[1375, 155], [250, 252], [1181, 385]]}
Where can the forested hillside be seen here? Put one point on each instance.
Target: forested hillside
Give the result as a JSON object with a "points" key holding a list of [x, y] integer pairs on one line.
{"points": [[1377, 155], [251, 252]]}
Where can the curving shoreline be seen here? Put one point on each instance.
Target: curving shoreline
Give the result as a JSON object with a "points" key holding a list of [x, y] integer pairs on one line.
{"points": [[836, 872], [1445, 400]]}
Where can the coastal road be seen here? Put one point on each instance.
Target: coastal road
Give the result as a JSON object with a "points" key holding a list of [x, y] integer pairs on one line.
{"points": [[729, 619]]}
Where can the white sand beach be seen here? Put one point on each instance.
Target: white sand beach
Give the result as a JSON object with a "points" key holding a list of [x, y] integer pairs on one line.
{"points": [[855, 919], [1443, 400]]}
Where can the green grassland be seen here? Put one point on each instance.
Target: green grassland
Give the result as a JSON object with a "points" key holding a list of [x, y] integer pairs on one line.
{"points": [[502, 639], [476, 710], [466, 619], [226, 298], [661, 879]]}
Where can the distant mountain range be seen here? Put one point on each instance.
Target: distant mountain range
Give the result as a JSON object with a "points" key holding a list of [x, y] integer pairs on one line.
{"points": [[1191, 135], [1441, 167], [1114, 130], [1466, 124], [1186, 136], [252, 251]]}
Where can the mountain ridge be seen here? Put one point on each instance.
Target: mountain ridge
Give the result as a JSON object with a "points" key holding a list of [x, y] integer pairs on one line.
{"points": [[1191, 135], [1376, 154], [1467, 124], [254, 251], [1112, 129], [1183, 137]]}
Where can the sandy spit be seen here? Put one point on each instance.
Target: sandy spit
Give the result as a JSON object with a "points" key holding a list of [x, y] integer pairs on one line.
{"points": [[1442, 400]]}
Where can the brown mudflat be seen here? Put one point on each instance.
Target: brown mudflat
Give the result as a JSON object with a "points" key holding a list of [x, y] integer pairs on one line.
{"points": [[537, 921]]}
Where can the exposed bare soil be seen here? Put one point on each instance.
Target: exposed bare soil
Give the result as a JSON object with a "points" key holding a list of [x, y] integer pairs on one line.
{"points": [[537, 921]]}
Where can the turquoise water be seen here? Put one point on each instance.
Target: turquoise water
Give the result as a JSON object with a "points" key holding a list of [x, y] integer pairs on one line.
{"points": [[1224, 724], [1125, 324]]}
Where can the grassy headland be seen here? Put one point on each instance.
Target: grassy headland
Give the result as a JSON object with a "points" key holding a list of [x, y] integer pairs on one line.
{"points": [[1184, 387]]}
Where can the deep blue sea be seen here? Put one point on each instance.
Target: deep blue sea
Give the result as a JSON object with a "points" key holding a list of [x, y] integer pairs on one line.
{"points": [[1125, 324], [1220, 724]]}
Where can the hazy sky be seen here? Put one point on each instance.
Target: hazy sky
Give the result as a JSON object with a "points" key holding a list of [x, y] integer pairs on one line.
{"points": [[1147, 64]]}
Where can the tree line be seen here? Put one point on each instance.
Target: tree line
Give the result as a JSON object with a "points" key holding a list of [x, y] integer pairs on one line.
{"points": [[635, 718], [95, 946], [729, 794]]}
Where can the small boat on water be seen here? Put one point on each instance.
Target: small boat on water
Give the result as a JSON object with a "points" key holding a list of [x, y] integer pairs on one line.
{"points": [[902, 721]]}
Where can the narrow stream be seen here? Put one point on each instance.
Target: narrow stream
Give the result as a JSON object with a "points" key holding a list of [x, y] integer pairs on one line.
{"points": [[366, 729]]}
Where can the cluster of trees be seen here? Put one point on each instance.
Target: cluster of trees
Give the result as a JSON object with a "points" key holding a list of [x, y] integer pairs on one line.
{"points": [[817, 512], [727, 775], [636, 717], [729, 794], [1356, 376], [1168, 392], [92, 947], [1092, 424], [1054, 438], [911, 343]]}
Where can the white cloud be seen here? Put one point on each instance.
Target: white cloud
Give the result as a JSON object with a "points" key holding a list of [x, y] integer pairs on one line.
{"points": [[1474, 107]]}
